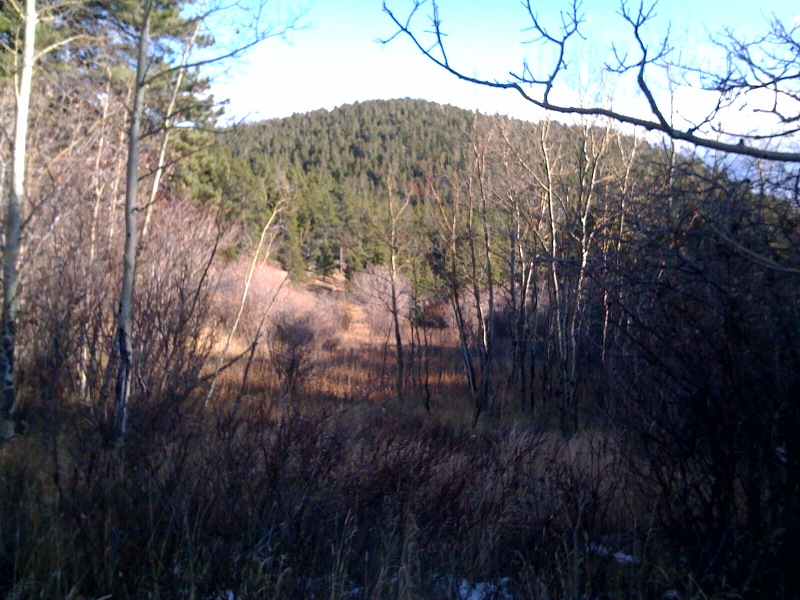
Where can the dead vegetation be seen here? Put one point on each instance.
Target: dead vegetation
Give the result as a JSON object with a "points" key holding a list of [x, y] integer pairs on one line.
{"points": [[305, 478]]}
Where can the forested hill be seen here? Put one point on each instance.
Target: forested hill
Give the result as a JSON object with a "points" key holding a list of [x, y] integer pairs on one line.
{"points": [[359, 140], [332, 168]]}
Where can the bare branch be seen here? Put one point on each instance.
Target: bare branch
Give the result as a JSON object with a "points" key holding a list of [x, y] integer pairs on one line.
{"points": [[259, 33], [775, 69]]}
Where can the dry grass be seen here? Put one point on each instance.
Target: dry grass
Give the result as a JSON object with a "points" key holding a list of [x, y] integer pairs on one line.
{"points": [[345, 492], [353, 360], [396, 505]]}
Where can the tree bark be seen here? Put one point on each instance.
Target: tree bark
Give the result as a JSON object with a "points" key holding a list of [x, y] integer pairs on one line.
{"points": [[13, 220], [124, 343], [394, 248]]}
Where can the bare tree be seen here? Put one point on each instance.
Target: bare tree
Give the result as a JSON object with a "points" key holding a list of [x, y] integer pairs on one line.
{"points": [[16, 199], [765, 65], [569, 184], [520, 208], [144, 77], [481, 251], [265, 231], [169, 121], [397, 206], [124, 316], [446, 214], [459, 213], [107, 176], [22, 20]]}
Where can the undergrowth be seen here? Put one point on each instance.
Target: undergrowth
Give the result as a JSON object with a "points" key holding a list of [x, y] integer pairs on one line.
{"points": [[389, 504]]}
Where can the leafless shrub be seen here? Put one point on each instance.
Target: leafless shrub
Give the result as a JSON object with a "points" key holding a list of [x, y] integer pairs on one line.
{"points": [[291, 346], [175, 329], [269, 287], [271, 293], [397, 506], [433, 315], [371, 289]]}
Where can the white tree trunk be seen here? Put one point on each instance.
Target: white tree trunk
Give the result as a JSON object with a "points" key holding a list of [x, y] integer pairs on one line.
{"points": [[14, 211], [124, 343], [394, 249], [168, 123], [245, 291]]}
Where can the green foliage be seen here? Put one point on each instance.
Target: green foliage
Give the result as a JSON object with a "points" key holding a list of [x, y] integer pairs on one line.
{"points": [[11, 31], [335, 168], [336, 165], [325, 262]]}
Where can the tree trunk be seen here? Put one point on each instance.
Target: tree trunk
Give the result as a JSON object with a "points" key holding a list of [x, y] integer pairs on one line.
{"points": [[124, 343], [245, 291], [13, 220], [168, 124], [398, 338], [395, 213], [395, 302]]}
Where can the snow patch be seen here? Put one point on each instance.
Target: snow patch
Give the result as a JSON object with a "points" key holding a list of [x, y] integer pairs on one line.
{"points": [[491, 590], [622, 558]]}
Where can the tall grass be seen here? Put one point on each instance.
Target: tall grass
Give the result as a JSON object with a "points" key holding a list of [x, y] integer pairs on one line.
{"points": [[343, 492], [384, 504]]}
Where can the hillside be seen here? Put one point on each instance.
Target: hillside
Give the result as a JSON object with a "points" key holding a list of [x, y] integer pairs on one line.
{"points": [[334, 167]]}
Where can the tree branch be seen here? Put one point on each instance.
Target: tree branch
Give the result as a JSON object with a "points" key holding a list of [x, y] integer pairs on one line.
{"points": [[526, 84]]}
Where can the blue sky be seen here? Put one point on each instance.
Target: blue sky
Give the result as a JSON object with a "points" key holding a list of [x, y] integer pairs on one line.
{"points": [[335, 59]]}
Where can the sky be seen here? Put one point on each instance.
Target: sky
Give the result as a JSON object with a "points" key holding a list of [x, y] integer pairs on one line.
{"points": [[336, 58]]}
